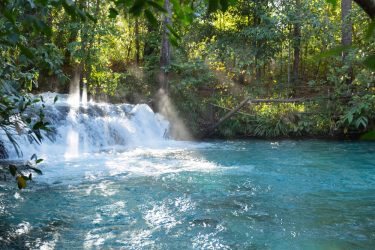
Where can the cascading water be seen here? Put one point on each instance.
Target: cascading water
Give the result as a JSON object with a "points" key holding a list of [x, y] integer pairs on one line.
{"points": [[92, 127]]}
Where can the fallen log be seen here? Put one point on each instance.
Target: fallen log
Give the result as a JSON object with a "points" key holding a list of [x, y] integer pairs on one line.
{"points": [[247, 100], [225, 117], [276, 100], [228, 109]]}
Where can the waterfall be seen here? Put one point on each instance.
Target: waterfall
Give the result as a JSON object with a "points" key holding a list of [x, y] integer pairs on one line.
{"points": [[92, 127]]}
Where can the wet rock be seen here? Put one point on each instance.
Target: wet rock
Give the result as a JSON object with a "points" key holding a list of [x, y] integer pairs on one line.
{"points": [[3, 151]]}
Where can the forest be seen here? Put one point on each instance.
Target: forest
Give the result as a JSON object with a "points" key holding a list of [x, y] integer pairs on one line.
{"points": [[208, 56]]}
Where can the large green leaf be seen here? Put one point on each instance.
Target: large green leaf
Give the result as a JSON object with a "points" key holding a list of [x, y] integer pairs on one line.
{"points": [[151, 18], [337, 51], [157, 6], [370, 29], [137, 7], [26, 51], [370, 62], [173, 31]]}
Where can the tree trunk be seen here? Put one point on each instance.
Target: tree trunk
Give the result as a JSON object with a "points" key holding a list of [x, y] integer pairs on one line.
{"points": [[128, 57], [165, 58], [289, 59], [296, 44], [148, 48], [137, 47], [258, 72], [346, 33], [346, 26]]}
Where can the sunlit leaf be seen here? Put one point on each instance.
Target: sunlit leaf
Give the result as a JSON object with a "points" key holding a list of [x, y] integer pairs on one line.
{"points": [[21, 182]]}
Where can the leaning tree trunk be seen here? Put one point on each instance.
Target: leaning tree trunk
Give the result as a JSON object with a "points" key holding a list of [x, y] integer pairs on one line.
{"points": [[165, 58]]}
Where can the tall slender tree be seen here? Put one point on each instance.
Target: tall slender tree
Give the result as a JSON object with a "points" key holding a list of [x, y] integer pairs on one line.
{"points": [[165, 58], [137, 42], [346, 26], [346, 33], [296, 41]]}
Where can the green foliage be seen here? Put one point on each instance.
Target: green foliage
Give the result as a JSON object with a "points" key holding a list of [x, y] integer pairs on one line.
{"points": [[21, 115], [357, 115], [369, 136], [370, 62], [22, 172], [191, 80]]}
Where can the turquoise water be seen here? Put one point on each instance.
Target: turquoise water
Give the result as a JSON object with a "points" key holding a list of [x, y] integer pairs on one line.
{"points": [[216, 195]]}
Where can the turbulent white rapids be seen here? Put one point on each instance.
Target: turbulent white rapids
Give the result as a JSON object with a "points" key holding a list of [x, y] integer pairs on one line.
{"points": [[92, 127]]}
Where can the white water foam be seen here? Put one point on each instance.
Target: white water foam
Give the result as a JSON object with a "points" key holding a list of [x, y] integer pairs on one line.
{"points": [[92, 127]]}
